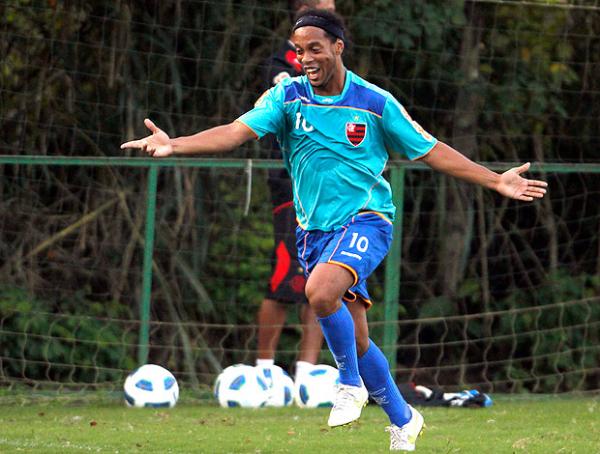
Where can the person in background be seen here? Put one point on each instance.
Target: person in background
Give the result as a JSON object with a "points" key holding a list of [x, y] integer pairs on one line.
{"points": [[285, 289]]}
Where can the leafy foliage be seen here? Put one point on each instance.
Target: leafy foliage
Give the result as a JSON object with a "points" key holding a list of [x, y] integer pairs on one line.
{"points": [[81, 346], [77, 78]]}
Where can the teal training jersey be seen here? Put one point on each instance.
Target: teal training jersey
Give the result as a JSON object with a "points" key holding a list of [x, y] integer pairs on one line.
{"points": [[336, 148]]}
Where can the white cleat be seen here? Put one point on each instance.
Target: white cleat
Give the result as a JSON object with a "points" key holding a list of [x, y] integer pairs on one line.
{"points": [[349, 402], [404, 438]]}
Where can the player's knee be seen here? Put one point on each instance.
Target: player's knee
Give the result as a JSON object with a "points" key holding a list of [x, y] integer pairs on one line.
{"points": [[321, 301]]}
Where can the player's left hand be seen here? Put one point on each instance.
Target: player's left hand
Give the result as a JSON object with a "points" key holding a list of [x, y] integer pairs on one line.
{"points": [[514, 186]]}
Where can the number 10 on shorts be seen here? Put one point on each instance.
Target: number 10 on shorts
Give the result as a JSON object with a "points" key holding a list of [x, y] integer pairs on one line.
{"points": [[360, 242]]}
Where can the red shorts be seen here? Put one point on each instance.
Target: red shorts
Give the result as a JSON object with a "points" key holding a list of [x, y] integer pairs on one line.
{"points": [[287, 278]]}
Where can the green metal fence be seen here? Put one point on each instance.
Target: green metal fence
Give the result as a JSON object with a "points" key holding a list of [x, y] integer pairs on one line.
{"points": [[392, 279]]}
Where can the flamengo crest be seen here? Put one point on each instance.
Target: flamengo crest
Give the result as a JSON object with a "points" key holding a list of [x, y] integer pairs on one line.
{"points": [[356, 132]]}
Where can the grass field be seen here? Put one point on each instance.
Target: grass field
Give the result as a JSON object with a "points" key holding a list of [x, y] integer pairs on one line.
{"points": [[533, 425]]}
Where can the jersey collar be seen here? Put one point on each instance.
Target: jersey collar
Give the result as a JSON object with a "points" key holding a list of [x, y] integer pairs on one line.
{"points": [[331, 99]]}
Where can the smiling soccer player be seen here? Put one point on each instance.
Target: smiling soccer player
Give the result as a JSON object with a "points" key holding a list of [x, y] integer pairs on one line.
{"points": [[335, 131]]}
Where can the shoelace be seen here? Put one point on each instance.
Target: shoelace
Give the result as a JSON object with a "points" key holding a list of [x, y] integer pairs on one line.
{"points": [[345, 398], [399, 437]]}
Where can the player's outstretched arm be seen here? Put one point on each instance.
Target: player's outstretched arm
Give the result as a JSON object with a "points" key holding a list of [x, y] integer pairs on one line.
{"points": [[510, 183], [214, 140]]}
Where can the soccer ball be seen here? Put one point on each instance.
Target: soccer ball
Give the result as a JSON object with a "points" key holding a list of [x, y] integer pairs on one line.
{"points": [[241, 386], [317, 388], [280, 385], [151, 386]]}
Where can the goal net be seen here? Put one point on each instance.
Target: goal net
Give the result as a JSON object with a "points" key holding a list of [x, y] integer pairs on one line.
{"points": [[494, 294]]}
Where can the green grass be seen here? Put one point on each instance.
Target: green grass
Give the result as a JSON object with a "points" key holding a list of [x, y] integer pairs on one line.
{"points": [[548, 425]]}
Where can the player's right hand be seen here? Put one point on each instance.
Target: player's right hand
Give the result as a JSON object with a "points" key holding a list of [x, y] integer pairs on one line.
{"points": [[158, 144]]}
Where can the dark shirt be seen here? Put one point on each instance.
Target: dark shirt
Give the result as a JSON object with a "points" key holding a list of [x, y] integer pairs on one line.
{"points": [[280, 65]]}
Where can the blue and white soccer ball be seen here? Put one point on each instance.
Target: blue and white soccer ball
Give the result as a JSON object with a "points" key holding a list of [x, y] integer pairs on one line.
{"points": [[317, 387], [280, 385], [151, 386], [241, 386]]}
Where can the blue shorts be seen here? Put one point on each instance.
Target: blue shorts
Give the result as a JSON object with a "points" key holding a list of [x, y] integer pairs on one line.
{"points": [[359, 246]]}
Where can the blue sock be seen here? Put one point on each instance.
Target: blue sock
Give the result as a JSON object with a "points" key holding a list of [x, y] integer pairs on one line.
{"points": [[375, 372], [338, 329]]}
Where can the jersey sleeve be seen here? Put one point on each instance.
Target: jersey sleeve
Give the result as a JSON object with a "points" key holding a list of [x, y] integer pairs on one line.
{"points": [[403, 134], [267, 117]]}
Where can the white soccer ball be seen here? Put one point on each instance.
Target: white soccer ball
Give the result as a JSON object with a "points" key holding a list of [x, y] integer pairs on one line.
{"points": [[241, 386], [151, 386], [280, 385], [317, 387]]}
